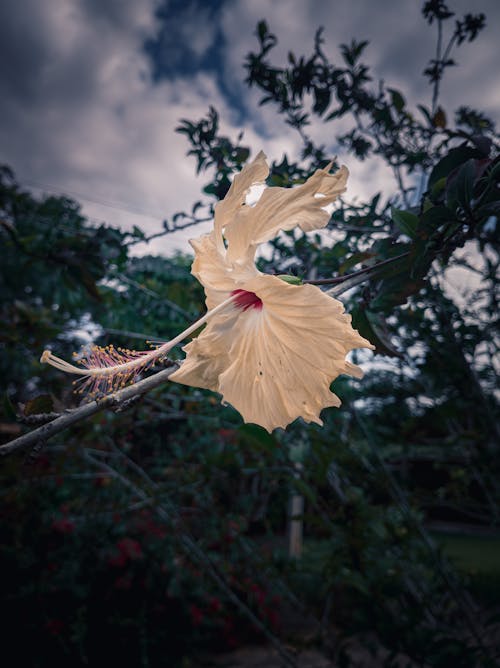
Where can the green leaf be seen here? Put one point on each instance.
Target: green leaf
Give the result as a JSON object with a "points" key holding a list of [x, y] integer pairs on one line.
{"points": [[322, 98], [406, 221], [398, 101], [137, 232], [262, 30], [490, 209], [380, 330], [374, 328], [455, 158], [89, 283], [241, 154], [353, 260], [293, 280], [43, 403], [297, 451], [8, 407], [255, 435], [439, 119], [395, 290], [421, 258], [434, 218], [461, 187], [425, 112], [374, 203], [438, 187]]}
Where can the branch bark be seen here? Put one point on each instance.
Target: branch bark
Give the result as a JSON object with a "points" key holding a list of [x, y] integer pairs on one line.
{"points": [[338, 280], [112, 401]]}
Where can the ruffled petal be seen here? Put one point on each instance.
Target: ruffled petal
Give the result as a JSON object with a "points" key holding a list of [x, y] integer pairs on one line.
{"points": [[218, 277], [252, 174], [275, 364], [207, 354], [282, 209]]}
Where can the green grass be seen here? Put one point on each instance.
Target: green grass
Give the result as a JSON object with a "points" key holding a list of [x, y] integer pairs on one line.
{"points": [[472, 554], [477, 557]]}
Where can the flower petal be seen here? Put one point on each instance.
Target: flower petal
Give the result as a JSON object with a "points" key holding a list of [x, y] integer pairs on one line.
{"points": [[283, 209], [218, 277], [275, 364], [207, 354], [225, 210]]}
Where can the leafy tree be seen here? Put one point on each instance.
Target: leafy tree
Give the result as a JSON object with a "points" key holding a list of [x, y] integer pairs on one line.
{"points": [[171, 514]]}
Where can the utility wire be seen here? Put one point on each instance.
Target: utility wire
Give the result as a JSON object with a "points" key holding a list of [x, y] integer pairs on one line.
{"points": [[101, 202]]}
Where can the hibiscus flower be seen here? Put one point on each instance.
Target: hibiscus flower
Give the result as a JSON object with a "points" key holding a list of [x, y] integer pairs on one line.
{"points": [[273, 353], [271, 348]]}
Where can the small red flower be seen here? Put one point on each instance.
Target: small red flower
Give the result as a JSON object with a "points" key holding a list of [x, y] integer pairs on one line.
{"points": [[119, 560], [214, 604], [124, 583], [228, 633], [63, 525], [130, 548], [54, 626], [272, 617], [227, 435], [258, 593], [196, 615]]}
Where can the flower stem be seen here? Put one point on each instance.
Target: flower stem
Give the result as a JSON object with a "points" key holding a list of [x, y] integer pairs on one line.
{"points": [[100, 362], [192, 328]]}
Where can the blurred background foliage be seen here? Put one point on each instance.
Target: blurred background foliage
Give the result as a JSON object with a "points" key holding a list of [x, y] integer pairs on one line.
{"points": [[158, 536]]}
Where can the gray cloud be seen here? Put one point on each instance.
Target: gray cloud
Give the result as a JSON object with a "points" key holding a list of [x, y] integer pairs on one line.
{"points": [[81, 112]]}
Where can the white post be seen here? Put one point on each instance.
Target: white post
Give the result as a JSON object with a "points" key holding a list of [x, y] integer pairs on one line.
{"points": [[295, 520]]}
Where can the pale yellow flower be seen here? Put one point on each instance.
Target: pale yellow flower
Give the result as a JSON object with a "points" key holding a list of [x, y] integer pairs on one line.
{"points": [[274, 350], [270, 348]]}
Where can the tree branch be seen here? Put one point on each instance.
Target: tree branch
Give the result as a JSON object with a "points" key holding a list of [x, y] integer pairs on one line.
{"points": [[112, 401], [367, 270]]}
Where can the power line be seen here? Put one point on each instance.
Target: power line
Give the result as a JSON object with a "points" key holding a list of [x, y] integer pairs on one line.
{"points": [[64, 191]]}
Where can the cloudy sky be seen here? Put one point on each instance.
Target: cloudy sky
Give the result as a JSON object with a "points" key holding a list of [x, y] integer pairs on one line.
{"points": [[91, 90]]}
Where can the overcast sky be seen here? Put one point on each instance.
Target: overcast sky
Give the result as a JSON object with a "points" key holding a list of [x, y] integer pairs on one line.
{"points": [[91, 90]]}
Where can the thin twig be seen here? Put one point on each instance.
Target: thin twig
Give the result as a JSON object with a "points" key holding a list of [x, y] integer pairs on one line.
{"points": [[39, 418], [435, 90], [169, 230], [151, 293], [343, 279], [112, 401]]}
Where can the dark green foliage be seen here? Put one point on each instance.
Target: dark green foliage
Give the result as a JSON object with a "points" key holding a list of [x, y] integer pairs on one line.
{"points": [[150, 536]]}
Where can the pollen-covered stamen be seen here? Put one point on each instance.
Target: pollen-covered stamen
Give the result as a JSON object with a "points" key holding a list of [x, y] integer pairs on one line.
{"points": [[106, 359], [107, 369], [244, 299]]}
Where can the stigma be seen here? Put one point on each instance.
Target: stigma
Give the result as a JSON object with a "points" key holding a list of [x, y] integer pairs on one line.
{"points": [[244, 300]]}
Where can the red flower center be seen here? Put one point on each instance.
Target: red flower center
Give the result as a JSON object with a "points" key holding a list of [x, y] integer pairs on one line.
{"points": [[244, 299]]}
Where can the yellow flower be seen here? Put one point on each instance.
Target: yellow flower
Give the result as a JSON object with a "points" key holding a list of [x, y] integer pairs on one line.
{"points": [[270, 348], [273, 352]]}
